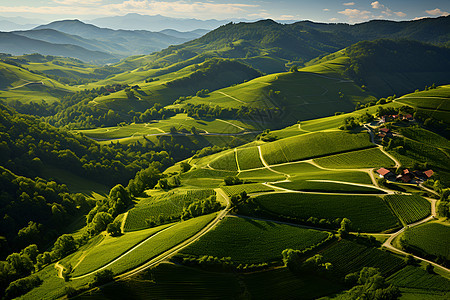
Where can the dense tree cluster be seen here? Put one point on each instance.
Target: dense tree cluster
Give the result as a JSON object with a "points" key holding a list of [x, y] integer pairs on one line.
{"points": [[27, 143], [33, 211], [370, 284], [207, 112]]}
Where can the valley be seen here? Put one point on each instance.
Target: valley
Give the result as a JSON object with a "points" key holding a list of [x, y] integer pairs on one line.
{"points": [[259, 160]]}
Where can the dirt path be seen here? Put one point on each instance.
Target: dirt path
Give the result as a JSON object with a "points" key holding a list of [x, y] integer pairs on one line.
{"points": [[168, 253], [122, 225], [238, 127], [160, 258], [266, 165], [25, 84], [388, 243], [60, 269], [231, 97], [237, 160]]}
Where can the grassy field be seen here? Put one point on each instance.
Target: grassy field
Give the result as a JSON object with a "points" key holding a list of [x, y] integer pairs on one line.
{"points": [[248, 158], [261, 175], [409, 208], [424, 136], [304, 95], [246, 240], [225, 162], [204, 178], [283, 284], [162, 242], [348, 257], [169, 205], [367, 158], [306, 171], [313, 145], [367, 213], [327, 187], [418, 278], [111, 248], [169, 281], [431, 238], [248, 188]]}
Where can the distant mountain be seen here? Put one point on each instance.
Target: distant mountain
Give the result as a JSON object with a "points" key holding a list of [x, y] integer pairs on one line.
{"points": [[18, 23], [57, 37], [135, 21], [194, 34], [268, 45], [133, 41], [17, 45]]}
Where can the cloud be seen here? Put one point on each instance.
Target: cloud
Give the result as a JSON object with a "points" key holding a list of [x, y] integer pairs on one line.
{"points": [[437, 12], [326, 9], [348, 3], [356, 15], [334, 20], [78, 2], [179, 8], [286, 17], [386, 10], [377, 5]]}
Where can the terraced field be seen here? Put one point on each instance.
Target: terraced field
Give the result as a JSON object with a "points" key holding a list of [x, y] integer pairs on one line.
{"points": [[111, 248], [225, 162], [248, 188], [169, 205], [245, 240], [431, 238], [348, 257], [367, 213], [307, 171], [261, 175], [418, 278], [327, 187], [160, 242], [313, 145], [409, 208], [367, 158], [248, 158], [205, 178]]}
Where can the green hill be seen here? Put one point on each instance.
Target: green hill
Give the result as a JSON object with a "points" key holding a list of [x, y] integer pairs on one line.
{"points": [[388, 67]]}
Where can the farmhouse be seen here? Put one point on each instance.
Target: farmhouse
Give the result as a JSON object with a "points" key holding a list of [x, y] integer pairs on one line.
{"points": [[406, 176], [385, 173]]}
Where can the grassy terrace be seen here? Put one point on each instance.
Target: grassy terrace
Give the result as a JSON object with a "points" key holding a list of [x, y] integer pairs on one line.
{"points": [[246, 240], [367, 213]]}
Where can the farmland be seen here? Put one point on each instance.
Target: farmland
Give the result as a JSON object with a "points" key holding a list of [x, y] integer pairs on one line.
{"points": [[328, 187], [225, 162], [168, 205], [409, 208], [367, 158], [313, 145], [261, 175], [307, 171], [431, 238], [245, 240], [418, 278], [349, 257], [111, 248], [248, 158], [248, 188], [367, 213]]}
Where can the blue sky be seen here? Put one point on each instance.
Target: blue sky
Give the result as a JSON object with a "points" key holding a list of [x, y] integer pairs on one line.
{"points": [[315, 10]]}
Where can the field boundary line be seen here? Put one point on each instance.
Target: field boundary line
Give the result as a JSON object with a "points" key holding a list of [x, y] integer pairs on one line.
{"points": [[231, 97]]}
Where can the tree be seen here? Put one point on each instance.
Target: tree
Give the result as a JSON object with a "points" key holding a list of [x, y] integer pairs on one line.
{"points": [[64, 245], [100, 221], [113, 228], [429, 268], [185, 166], [102, 277], [294, 69]]}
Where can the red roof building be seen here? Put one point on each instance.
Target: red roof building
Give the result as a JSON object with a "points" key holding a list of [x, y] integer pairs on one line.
{"points": [[385, 130], [383, 171], [428, 173]]}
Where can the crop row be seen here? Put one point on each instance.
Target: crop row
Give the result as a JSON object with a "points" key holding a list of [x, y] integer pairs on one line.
{"points": [[410, 208], [367, 158], [415, 277], [248, 188]]}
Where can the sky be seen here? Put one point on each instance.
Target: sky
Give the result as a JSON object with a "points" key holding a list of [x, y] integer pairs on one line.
{"points": [[315, 10]]}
